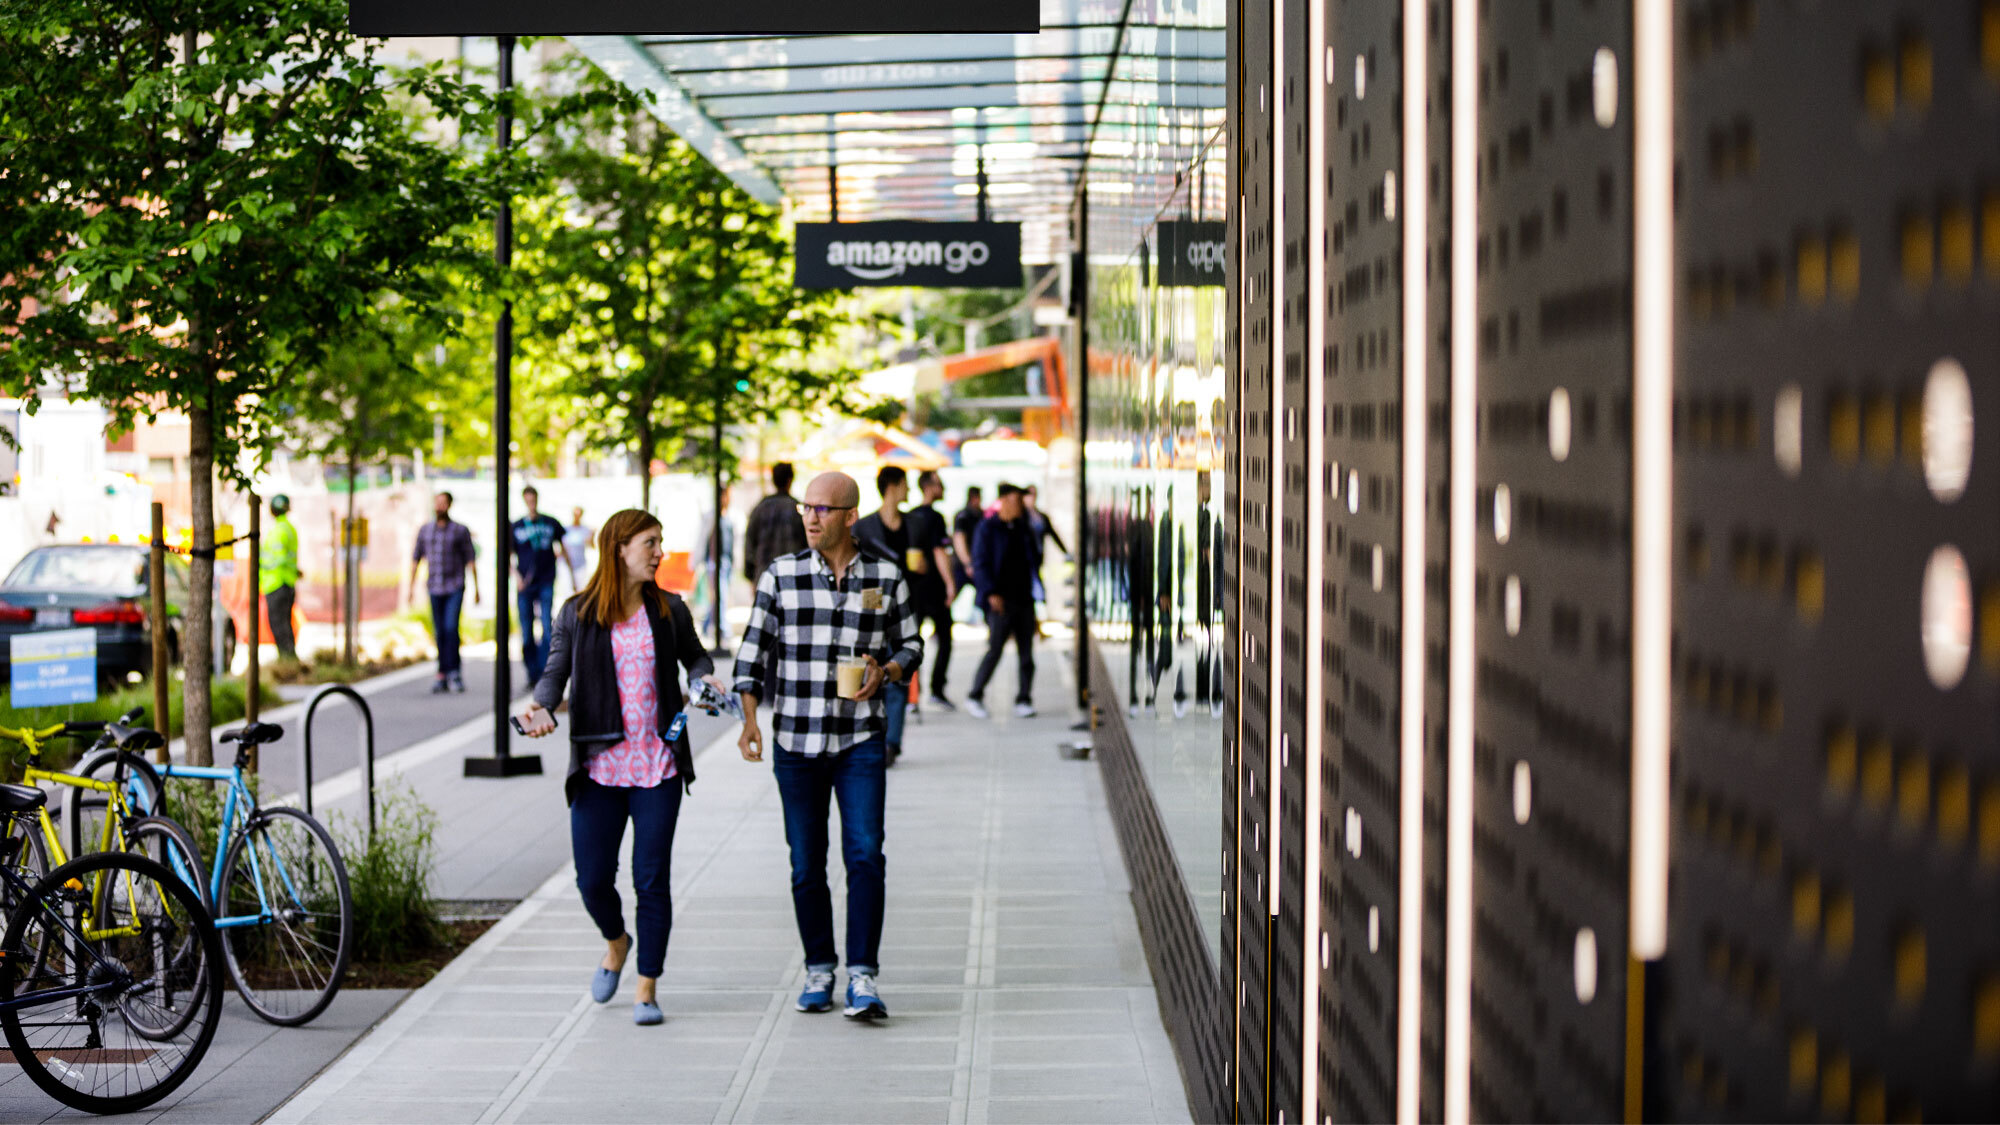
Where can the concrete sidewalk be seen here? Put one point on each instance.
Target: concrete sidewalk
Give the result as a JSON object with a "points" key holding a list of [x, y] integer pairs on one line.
{"points": [[1011, 963]]}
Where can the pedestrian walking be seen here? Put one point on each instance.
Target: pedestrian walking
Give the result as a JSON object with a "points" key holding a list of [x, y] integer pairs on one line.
{"points": [[933, 579], [536, 541], [964, 523], [885, 534], [444, 547], [614, 649], [775, 528], [834, 627], [1043, 530], [1005, 557], [715, 571], [576, 549], [278, 576]]}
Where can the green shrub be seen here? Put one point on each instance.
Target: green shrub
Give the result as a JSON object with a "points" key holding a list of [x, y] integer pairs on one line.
{"points": [[395, 914]]}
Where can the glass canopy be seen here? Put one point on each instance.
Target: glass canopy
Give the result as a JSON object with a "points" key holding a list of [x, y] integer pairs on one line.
{"points": [[899, 126]]}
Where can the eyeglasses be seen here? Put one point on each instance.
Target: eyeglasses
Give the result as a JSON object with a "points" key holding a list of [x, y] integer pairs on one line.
{"points": [[823, 510]]}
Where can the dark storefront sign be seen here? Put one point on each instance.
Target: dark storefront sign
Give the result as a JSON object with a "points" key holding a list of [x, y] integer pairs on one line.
{"points": [[926, 255], [1193, 253], [382, 18]]}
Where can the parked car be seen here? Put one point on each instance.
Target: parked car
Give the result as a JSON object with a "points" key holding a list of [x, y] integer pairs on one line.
{"points": [[102, 586]]}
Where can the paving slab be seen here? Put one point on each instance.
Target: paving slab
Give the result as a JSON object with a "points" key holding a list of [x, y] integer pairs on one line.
{"points": [[1009, 923]]}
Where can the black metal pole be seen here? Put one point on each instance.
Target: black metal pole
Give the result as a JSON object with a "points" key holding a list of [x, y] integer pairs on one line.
{"points": [[503, 425], [1079, 287], [979, 144], [832, 178], [503, 763], [716, 540]]}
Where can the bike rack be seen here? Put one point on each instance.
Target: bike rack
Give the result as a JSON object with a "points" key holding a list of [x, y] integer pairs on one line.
{"points": [[306, 746]]}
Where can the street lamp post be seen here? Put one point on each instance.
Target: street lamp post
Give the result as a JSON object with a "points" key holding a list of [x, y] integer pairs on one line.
{"points": [[503, 763]]}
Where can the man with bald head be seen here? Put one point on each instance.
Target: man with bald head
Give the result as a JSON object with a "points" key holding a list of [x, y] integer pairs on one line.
{"points": [[813, 608]]}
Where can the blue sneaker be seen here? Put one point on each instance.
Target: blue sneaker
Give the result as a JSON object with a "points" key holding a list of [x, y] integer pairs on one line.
{"points": [[863, 1002], [818, 994], [645, 1013]]}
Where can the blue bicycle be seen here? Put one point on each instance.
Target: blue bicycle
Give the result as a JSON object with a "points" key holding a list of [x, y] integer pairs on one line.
{"points": [[277, 885]]}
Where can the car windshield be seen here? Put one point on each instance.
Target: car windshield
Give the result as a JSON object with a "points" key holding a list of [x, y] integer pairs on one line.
{"points": [[80, 568]]}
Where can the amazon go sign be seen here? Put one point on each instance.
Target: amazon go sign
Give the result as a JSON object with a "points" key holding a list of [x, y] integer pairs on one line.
{"points": [[928, 255], [1193, 253]]}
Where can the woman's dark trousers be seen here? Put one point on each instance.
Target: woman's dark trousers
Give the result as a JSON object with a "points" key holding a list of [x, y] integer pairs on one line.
{"points": [[597, 833]]}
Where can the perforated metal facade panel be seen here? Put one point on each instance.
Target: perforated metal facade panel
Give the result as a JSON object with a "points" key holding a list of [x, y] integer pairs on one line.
{"points": [[1833, 909]]}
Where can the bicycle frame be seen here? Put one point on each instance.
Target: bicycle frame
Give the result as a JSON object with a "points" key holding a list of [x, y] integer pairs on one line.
{"points": [[118, 806], [238, 797]]}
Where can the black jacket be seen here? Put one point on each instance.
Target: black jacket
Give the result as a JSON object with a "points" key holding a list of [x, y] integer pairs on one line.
{"points": [[580, 656]]}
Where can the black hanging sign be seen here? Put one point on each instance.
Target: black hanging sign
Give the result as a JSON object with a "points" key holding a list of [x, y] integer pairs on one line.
{"points": [[382, 18], [1193, 253], [903, 252]]}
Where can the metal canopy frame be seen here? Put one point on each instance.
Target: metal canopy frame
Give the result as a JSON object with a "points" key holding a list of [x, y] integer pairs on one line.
{"points": [[929, 126]]}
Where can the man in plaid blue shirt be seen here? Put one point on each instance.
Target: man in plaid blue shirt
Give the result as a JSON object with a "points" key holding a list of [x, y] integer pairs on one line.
{"points": [[812, 608]]}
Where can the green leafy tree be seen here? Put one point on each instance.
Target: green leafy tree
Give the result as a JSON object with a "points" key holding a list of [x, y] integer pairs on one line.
{"points": [[199, 198], [662, 297]]}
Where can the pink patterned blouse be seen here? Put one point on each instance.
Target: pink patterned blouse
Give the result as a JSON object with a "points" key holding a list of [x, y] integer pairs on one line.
{"points": [[643, 759]]}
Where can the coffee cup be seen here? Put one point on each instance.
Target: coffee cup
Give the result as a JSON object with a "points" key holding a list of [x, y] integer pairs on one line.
{"points": [[915, 562], [848, 675]]}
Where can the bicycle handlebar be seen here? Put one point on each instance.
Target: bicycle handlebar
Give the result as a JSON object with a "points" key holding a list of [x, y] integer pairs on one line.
{"points": [[23, 734]]}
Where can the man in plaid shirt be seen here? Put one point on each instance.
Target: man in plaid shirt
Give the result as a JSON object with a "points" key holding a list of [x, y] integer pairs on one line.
{"points": [[812, 608]]}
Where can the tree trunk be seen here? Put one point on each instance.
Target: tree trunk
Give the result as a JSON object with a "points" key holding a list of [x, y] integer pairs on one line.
{"points": [[350, 607], [197, 635], [647, 444]]}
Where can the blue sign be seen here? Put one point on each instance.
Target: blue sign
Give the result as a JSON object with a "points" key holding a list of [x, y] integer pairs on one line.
{"points": [[53, 668]]}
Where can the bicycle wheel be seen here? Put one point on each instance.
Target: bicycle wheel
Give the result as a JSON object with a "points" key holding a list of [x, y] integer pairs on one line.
{"points": [[108, 917], [23, 849], [168, 844], [286, 869], [83, 814]]}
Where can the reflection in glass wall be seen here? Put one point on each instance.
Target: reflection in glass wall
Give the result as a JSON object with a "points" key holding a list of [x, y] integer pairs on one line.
{"points": [[1154, 488]]}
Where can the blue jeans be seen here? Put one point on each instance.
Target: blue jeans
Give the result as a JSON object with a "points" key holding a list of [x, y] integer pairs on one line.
{"points": [[856, 778], [597, 831], [444, 622], [535, 605], [896, 700]]}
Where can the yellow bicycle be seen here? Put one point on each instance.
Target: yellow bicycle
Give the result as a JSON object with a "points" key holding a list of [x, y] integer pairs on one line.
{"points": [[33, 843]]}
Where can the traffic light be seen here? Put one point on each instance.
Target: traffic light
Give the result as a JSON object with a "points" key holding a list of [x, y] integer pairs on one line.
{"points": [[742, 386]]}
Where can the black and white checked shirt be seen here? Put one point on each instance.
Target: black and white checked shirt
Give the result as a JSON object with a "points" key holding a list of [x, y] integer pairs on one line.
{"points": [[802, 622]]}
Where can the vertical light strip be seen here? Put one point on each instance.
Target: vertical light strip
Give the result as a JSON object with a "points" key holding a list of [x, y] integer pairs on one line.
{"points": [[1317, 79], [1415, 212], [1274, 524], [1652, 463], [1464, 482]]}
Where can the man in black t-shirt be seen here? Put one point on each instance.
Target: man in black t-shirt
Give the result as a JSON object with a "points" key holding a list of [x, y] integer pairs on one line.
{"points": [[536, 538], [933, 582], [963, 525], [886, 535]]}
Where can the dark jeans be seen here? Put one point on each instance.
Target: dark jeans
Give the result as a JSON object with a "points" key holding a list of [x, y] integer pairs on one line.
{"points": [[895, 708], [1018, 623], [444, 621], [535, 605], [855, 777], [278, 607], [939, 616], [597, 832]]}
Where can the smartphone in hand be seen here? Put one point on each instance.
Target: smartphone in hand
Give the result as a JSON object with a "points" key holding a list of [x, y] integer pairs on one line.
{"points": [[515, 720]]}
